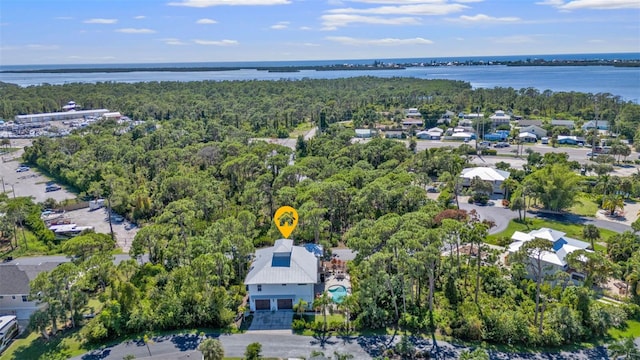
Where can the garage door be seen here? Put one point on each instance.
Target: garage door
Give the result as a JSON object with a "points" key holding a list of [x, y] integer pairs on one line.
{"points": [[285, 304], [263, 304]]}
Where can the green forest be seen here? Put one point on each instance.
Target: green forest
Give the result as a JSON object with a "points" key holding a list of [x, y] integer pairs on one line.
{"points": [[204, 196]]}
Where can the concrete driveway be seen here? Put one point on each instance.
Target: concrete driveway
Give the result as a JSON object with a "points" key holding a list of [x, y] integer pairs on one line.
{"points": [[271, 320]]}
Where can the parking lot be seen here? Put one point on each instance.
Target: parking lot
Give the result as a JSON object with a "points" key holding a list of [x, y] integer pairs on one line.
{"points": [[123, 230], [26, 183], [32, 183]]}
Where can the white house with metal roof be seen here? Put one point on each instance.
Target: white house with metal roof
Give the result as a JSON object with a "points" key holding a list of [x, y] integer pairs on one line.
{"points": [[536, 130], [554, 260], [500, 118], [282, 275], [491, 175]]}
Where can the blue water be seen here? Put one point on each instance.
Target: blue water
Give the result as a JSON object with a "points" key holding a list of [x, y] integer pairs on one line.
{"points": [[623, 82], [338, 293]]}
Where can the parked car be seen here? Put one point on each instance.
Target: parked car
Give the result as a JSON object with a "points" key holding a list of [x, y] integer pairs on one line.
{"points": [[53, 187], [501, 145], [22, 169]]}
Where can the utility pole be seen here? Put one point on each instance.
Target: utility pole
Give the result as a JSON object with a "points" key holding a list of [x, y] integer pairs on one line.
{"points": [[595, 130], [3, 189], [477, 128]]}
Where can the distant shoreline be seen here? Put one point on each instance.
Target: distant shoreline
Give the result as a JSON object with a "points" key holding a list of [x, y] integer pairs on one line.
{"points": [[336, 67]]}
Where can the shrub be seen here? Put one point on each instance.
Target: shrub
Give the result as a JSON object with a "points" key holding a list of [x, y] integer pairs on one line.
{"points": [[298, 324], [503, 241]]}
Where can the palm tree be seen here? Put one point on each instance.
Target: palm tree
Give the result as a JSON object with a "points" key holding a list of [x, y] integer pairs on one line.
{"points": [[625, 349], [323, 302], [591, 232], [211, 349], [613, 203], [508, 185]]}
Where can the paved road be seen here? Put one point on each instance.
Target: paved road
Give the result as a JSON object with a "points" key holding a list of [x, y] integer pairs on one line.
{"points": [[287, 345], [502, 216]]}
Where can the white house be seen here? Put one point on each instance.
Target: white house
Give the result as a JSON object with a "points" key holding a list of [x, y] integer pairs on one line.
{"points": [[14, 287], [364, 133], [554, 260], [408, 122], [491, 175], [591, 124], [282, 275], [412, 113], [434, 133], [527, 137], [533, 129], [569, 124], [500, 118], [16, 274]]}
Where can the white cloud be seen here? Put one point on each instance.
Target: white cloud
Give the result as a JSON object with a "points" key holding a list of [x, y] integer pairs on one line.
{"points": [[139, 17], [304, 28], [345, 40], [280, 25], [395, 2], [482, 18], [592, 4], [173, 41], [206, 21], [333, 21], [100, 21], [515, 39], [406, 2], [439, 8], [42, 47], [209, 3], [136, 31], [216, 42]]}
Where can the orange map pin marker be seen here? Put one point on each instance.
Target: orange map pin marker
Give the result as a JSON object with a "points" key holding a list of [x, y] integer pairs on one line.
{"points": [[286, 219]]}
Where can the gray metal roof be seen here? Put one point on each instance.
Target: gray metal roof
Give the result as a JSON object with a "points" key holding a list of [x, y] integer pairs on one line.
{"points": [[14, 279], [302, 269]]}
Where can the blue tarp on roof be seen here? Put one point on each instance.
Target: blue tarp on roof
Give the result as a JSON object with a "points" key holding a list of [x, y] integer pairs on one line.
{"points": [[314, 249]]}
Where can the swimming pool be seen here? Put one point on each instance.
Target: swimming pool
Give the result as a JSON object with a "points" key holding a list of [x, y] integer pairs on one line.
{"points": [[338, 292]]}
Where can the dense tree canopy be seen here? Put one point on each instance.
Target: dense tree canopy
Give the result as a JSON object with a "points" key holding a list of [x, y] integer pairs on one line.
{"points": [[204, 195]]}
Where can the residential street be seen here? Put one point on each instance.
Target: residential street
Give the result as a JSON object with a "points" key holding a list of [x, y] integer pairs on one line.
{"points": [[286, 345]]}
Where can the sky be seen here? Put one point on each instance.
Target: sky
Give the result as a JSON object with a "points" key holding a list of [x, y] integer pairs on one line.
{"points": [[161, 31]]}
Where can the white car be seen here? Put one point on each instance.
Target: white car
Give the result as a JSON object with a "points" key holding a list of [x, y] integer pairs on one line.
{"points": [[22, 169]]}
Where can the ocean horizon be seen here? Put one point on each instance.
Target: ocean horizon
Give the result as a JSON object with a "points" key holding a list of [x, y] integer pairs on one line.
{"points": [[285, 63]]}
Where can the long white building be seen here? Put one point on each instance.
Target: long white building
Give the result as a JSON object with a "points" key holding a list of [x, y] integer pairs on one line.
{"points": [[58, 116]]}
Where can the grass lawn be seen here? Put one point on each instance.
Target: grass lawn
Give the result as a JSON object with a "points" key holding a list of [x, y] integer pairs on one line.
{"points": [[572, 230], [586, 206], [632, 329], [34, 347]]}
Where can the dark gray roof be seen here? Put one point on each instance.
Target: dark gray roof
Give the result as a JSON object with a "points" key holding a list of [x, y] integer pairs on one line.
{"points": [[524, 123], [14, 279], [562, 122]]}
